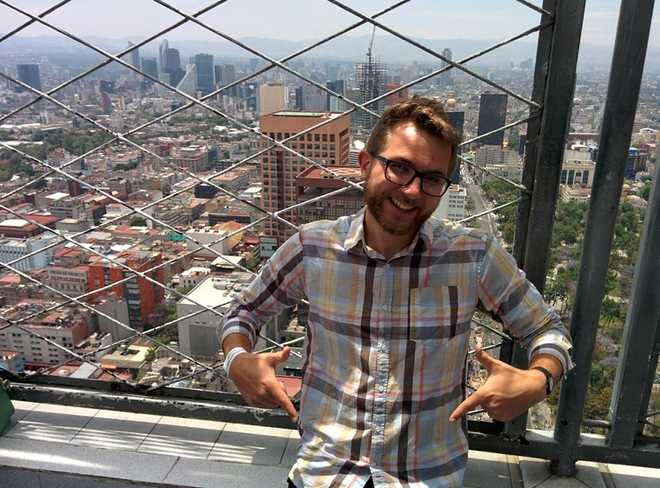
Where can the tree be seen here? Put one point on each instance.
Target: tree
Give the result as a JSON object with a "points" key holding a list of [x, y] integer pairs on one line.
{"points": [[645, 192], [138, 222], [151, 355]]}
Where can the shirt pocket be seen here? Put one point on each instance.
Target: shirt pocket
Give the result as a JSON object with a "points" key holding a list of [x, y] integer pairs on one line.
{"points": [[433, 313]]}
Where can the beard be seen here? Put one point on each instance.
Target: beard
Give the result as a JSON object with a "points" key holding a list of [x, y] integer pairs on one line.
{"points": [[375, 204]]}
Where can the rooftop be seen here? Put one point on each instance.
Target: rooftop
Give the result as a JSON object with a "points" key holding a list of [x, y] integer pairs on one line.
{"points": [[214, 291], [58, 445]]}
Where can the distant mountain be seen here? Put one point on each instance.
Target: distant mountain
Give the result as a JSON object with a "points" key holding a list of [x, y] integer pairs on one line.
{"points": [[388, 49]]}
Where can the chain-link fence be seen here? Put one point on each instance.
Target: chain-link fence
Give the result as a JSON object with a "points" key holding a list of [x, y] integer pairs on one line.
{"points": [[542, 110]]}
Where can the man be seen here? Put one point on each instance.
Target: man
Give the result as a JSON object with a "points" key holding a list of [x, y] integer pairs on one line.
{"points": [[391, 294]]}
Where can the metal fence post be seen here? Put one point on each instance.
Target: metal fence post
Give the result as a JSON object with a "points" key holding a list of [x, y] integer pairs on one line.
{"points": [[535, 217], [637, 359], [558, 100], [511, 352], [623, 91]]}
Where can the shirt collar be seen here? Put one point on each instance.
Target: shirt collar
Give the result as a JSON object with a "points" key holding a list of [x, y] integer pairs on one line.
{"points": [[355, 239]]}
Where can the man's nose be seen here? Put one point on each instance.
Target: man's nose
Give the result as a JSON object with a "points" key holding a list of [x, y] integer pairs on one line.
{"points": [[414, 187]]}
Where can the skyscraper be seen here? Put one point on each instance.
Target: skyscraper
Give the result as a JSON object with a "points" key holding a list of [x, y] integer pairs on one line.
{"points": [[229, 76], [150, 67], [445, 78], [217, 70], [205, 73], [188, 83], [329, 145], [161, 55], [133, 57], [314, 99], [271, 97], [28, 74], [171, 64], [335, 104], [371, 82], [457, 119], [492, 115]]}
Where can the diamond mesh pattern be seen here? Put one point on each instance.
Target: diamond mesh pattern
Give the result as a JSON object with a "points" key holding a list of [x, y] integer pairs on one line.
{"points": [[269, 144]]}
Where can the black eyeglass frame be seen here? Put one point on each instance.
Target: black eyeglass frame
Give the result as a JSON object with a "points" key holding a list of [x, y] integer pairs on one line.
{"points": [[387, 162]]}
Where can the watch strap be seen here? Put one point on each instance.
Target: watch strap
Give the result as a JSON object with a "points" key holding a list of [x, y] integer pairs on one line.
{"points": [[549, 379]]}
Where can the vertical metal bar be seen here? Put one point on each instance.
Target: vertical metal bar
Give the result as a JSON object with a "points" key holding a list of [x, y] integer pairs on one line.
{"points": [[631, 385], [543, 50], [511, 352], [560, 86], [623, 91]]}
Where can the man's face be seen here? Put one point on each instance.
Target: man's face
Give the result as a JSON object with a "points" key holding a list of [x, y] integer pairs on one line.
{"points": [[401, 210]]}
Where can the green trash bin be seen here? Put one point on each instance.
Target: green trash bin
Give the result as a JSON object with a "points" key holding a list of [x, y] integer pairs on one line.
{"points": [[6, 408]]}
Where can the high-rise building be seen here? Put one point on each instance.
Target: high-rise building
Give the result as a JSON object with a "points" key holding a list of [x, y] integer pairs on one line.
{"points": [[133, 57], [172, 66], [328, 145], [188, 83], [224, 75], [457, 120], [314, 182], [446, 78], [492, 115], [149, 67], [271, 97], [314, 99], [140, 294], [162, 48], [371, 82], [452, 205], [205, 73], [335, 104], [396, 97], [28, 74]]}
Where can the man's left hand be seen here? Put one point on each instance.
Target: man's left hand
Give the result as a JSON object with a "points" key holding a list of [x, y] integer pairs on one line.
{"points": [[507, 392]]}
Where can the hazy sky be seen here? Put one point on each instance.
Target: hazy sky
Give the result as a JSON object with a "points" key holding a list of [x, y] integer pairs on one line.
{"points": [[309, 19]]}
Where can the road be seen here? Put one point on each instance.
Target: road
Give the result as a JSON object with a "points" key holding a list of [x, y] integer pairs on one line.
{"points": [[487, 222]]}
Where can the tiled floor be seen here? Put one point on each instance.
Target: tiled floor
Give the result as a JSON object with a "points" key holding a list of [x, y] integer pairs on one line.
{"points": [[51, 445]]}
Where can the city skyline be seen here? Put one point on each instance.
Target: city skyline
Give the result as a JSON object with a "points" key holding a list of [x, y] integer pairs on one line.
{"points": [[420, 19]]}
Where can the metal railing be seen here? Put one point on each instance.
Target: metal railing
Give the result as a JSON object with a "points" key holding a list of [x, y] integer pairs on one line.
{"points": [[547, 125]]}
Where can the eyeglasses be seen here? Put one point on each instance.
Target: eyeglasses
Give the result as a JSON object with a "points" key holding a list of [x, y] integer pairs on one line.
{"points": [[434, 183]]}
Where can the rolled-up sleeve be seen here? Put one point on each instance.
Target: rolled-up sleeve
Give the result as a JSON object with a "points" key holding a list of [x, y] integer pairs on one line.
{"points": [[505, 291], [278, 285]]}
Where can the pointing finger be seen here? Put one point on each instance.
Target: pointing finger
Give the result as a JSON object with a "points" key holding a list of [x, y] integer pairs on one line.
{"points": [[283, 400], [470, 403]]}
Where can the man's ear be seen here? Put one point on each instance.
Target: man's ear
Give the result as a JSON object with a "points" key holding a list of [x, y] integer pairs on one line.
{"points": [[365, 162]]}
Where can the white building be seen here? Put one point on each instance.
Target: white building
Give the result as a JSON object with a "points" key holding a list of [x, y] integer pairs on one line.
{"points": [[198, 334], [207, 235], [14, 248], [452, 204], [192, 276], [188, 83], [66, 329], [491, 155], [577, 173], [271, 97]]}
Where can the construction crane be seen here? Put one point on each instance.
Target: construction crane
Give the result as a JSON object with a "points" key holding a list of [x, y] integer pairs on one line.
{"points": [[371, 46]]}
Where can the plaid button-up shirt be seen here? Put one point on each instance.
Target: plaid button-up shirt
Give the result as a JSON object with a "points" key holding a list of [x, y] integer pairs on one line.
{"points": [[386, 345]]}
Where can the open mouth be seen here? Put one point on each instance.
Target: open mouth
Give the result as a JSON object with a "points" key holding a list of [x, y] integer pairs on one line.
{"points": [[402, 205]]}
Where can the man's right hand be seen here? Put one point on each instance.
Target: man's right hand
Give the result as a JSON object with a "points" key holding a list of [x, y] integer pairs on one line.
{"points": [[254, 376]]}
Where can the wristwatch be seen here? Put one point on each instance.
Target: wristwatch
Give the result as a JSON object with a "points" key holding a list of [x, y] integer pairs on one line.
{"points": [[549, 380]]}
